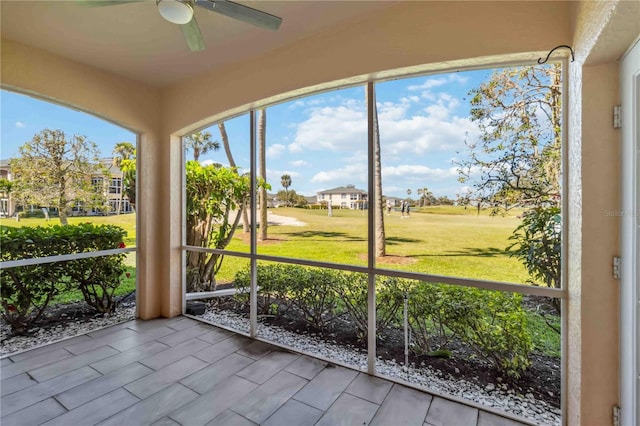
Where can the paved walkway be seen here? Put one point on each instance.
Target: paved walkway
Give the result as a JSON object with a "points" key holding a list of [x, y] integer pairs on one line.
{"points": [[183, 372]]}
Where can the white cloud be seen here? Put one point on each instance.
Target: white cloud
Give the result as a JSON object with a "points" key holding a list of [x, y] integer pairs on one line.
{"points": [[340, 128], [419, 173], [344, 128], [20, 125], [275, 150], [299, 163], [350, 174], [433, 82]]}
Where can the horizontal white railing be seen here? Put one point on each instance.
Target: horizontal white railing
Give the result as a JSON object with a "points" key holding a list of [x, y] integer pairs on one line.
{"points": [[440, 279], [63, 257]]}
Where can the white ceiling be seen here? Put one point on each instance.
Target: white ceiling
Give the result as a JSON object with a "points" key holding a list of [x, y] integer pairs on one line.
{"points": [[134, 41]]}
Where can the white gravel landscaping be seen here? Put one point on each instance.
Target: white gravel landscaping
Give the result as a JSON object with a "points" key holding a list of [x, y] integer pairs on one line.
{"points": [[41, 336]]}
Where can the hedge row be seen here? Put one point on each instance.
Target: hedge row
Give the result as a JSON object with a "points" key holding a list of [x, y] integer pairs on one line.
{"points": [[27, 290], [493, 323]]}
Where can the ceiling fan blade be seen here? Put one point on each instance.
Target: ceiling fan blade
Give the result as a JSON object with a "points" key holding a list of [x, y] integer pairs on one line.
{"points": [[242, 13], [102, 3], [192, 35]]}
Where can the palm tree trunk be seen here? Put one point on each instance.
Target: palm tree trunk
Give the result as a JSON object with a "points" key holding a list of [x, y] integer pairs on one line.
{"points": [[380, 244], [121, 194], [227, 149], [262, 123]]}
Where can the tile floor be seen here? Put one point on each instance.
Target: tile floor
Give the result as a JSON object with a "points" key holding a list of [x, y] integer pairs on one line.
{"points": [[182, 372]]}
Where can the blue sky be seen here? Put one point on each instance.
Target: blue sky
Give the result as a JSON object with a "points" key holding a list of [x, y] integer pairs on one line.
{"points": [[319, 140]]}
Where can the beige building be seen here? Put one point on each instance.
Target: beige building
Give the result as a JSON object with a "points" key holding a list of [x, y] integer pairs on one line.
{"points": [[344, 197], [128, 66], [107, 182]]}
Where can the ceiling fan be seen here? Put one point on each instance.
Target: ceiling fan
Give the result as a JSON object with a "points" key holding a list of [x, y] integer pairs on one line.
{"points": [[181, 12]]}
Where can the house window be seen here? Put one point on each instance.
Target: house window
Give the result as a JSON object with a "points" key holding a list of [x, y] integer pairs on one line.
{"points": [[344, 196], [97, 183], [115, 185], [353, 196]]}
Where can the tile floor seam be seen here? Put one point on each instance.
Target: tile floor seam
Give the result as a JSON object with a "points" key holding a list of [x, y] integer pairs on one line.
{"points": [[60, 402], [231, 409], [355, 396], [139, 399]]}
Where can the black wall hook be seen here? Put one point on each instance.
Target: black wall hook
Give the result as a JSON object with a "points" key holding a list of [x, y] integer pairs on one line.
{"points": [[573, 58]]}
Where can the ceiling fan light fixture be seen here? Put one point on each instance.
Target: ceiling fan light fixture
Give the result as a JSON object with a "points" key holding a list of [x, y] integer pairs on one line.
{"points": [[175, 11]]}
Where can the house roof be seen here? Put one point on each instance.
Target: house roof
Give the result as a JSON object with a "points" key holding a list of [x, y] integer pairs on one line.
{"points": [[349, 189]]}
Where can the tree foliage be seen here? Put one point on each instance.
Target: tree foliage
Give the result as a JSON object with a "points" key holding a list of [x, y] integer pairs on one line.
{"points": [[295, 199], [285, 181], [214, 195], [128, 168], [123, 152], [200, 143], [54, 170], [516, 160], [536, 242]]}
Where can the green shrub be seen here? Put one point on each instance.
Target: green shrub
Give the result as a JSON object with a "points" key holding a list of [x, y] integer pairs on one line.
{"points": [[273, 282], [352, 288], [537, 243], [302, 293], [27, 290], [431, 309], [495, 324], [97, 277]]}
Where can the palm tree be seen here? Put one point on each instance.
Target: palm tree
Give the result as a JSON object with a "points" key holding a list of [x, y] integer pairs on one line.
{"points": [[262, 124], [122, 152], [201, 143], [425, 195], [408, 193], [380, 246], [285, 181], [227, 149]]}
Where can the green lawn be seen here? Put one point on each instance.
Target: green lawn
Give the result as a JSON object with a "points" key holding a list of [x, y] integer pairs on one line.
{"points": [[441, 240], [454, 243]]}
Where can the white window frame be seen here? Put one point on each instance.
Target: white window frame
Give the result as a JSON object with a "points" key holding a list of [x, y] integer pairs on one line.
{"points": [[629, 239]]}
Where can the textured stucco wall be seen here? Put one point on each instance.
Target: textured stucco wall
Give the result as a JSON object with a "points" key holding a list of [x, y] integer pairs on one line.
{"points": [[600, 229], [603, 30]]}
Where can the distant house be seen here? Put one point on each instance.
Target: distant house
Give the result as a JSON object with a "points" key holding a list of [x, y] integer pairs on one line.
{"points": [[345, 197], [394, 201], [7, 206]]}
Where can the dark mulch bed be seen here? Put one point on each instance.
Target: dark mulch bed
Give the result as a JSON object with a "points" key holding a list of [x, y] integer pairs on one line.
{"points": [[69, 313]]}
